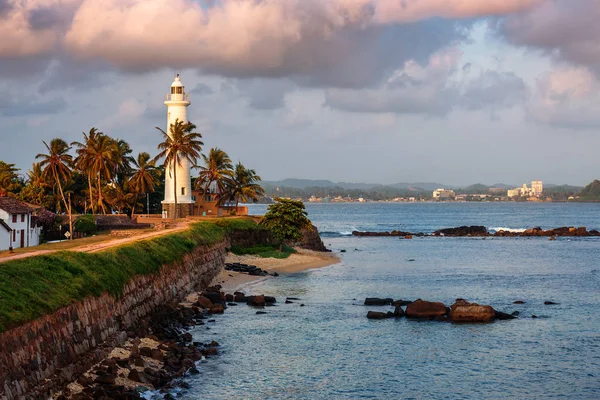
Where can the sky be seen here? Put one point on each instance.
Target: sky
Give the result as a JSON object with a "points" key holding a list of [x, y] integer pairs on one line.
{"points": [[378, 91]]}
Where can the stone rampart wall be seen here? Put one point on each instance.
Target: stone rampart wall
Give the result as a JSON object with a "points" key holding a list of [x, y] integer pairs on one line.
{"points": [[44, 355]]}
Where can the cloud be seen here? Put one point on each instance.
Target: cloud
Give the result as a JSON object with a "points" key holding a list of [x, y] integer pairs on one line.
{"points": [[129, 112], [12, 106], [567, 97], [202, 89], [567, 30], [435, 88], [494, 89], [346, 43], [265, 94]]}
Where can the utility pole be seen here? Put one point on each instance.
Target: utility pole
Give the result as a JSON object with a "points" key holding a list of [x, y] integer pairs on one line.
{"points": [[70, 219]]}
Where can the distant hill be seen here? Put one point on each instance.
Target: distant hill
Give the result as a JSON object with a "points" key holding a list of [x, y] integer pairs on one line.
{"points": [[420, 185], [591, 192], [322, 183]]}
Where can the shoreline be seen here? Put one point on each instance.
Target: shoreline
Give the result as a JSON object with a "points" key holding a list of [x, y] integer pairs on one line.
{"points": [[303, 260]]}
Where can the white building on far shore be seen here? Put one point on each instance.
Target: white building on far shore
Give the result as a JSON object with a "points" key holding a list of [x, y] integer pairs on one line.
{"points": [[536, 189], [443, 194]]}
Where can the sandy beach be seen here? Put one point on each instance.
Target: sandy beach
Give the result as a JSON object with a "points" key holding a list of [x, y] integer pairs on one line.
{"points": [[301, 261]]}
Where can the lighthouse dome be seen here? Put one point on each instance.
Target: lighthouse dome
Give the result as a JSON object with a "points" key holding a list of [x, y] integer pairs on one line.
{"points": [[177, 82]]}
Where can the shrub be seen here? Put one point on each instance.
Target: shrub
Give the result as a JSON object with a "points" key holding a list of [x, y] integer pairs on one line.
{"points": [[85, 224]]}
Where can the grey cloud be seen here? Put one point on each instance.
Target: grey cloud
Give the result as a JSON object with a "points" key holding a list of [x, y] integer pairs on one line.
{"points": [[48, 18], [202, 89], [265, 94], [494, 89], [5, 7], [567, 30], [24, 107]]}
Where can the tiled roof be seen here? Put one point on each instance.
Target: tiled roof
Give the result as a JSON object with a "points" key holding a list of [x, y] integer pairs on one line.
{"points": [[14, 206]]}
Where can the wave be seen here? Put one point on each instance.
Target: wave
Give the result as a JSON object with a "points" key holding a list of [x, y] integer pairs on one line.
{"points": [[335, 234], [498, 229]]}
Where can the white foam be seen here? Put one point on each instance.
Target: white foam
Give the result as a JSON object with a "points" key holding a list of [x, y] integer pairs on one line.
{"points": [[498, 229]]}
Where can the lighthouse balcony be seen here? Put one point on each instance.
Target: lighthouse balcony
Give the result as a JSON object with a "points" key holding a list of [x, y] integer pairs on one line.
{"points": [[178, 97]]}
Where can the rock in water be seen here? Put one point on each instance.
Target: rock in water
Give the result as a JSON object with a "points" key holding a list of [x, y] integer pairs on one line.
{"points": [[375, 301], [379, 315], [398, 311], [425, 309], [257, 301], [463, 311]]}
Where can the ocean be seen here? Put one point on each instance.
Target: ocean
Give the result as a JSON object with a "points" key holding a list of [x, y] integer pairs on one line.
{"points": [[328, 349]]}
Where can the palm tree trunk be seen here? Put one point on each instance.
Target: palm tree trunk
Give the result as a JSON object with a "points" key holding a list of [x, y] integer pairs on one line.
{"points": [[91, 199], [135, 199], [175, 189], [100, 199], [66, 205]]}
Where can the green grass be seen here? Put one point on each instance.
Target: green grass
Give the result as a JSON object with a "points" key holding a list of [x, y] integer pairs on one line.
{"points": [[35, 286], [265, 251]]}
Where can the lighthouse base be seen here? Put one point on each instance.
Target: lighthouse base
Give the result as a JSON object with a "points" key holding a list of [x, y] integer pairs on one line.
{"points": [[183, 210]]}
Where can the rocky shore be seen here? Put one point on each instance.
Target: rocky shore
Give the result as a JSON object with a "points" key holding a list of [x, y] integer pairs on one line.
{"points": [[481, 231], [162, 349]]}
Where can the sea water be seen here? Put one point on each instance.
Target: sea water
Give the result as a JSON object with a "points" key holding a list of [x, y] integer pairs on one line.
{"points": [[328, 349]]}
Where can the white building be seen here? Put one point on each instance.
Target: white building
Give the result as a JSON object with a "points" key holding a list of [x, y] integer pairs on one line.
{"points": [[537, 187], [16, 229], [177, 103], [443, 194]]}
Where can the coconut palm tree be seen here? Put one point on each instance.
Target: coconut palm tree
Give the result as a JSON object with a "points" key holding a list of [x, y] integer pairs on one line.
{"points": [[181, 143], [244, 186], [56, 165], [103, 162], [123, 161], [83, 161], [9, 179], [217, 169], [144, 178]]}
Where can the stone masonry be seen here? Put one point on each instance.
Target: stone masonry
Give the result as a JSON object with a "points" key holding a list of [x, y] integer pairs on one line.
{"points": [[42, 356]]}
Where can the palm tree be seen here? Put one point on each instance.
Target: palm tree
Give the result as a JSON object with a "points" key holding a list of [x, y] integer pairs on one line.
{"points": [[9, 179], [244, 185], [218, 169], [103, 162], [178, 145], [83, 161], [57, 166], [123, 161], [119, 197], [144, 178]]}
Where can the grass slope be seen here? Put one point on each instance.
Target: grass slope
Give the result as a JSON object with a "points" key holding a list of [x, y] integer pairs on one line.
{"points": [[264, 251], [35, 286]]}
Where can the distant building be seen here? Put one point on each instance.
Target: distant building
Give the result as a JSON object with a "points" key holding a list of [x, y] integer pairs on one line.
{"points": [[16, 227], [443, 194], [513, 192], [497, 191], [537, 187]]}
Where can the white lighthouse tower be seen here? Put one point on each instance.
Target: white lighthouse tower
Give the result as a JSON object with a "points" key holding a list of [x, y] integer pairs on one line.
{"points": [[177, 103]]}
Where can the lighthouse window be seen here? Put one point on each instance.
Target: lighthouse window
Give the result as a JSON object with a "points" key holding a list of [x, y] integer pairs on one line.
{"points": [[173, 90], [179, 90]]}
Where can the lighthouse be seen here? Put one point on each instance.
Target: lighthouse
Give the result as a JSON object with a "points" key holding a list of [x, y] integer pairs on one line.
{"points": [[177, 102]]}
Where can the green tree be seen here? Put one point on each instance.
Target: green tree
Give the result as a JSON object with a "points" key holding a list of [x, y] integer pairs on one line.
{"points": [[285, 219], [144, 179], [244, 186], [84, 160], [217, 169], [9, 179], [181, 143], [56, 165]]}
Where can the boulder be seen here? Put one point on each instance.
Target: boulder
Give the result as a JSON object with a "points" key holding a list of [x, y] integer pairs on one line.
{"points": [[550, 303], [139, 376], [463, 311], [106, 379], [379, 315], [214, 297], [463, 231], [217, 309], [375, 301], [401, 303], [270, 299], [228, 298], [204, 302], [425, 309], [146, 351], [256, 301], [519, 302], [239, 298], [398, 311], [503, 316]]}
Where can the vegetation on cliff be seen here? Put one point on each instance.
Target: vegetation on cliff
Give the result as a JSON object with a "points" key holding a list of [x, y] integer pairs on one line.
{"points": [[286, 219], [591, 192], [264, 251], [35, 286]]}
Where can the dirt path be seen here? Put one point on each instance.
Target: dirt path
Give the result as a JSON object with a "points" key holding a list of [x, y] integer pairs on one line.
{"points": [[92, 248]]}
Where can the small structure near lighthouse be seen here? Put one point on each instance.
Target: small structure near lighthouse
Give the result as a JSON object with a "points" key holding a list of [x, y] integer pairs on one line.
{"points": [[177, 102]]}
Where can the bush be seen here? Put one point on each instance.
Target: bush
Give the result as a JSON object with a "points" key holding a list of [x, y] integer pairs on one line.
{"points": [[85, 224], [264, 250]]}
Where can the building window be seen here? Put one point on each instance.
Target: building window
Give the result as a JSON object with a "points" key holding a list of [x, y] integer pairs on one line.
{"points": [[14, 235], [183, 191], [22, 217], [14, 218]]}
